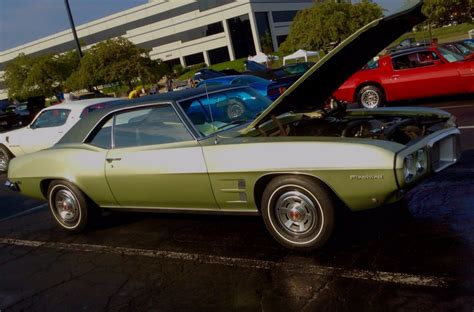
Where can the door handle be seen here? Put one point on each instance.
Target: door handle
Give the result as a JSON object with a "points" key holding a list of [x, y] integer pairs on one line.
{"points": [[395, 77], [109, 160]]}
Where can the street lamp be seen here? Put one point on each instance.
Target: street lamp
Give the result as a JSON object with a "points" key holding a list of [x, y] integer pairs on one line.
{"points": [[71, 21]]}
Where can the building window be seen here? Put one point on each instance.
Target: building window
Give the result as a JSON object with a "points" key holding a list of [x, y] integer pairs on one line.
{"points": [[241, 36], [263, 26], [194, 59], [201, 32], [172, 63], [185, 36], [218, 55], [281, 39], [283, 16]]}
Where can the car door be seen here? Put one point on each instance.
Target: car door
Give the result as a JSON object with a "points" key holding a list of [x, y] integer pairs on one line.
{"points": [[45, 130], [155, 162], [421, 74]]}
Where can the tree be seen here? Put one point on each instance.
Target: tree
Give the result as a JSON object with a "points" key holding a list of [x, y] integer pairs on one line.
{"points": [[16, 73], [442, 12], [115, 61], [43, 75], [267, 43], [317, 27]]}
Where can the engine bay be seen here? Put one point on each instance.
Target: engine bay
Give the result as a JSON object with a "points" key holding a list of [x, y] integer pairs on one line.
{"points": [[339, 122]]}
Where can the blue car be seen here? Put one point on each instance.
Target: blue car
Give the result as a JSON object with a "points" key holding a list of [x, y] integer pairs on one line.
{"points": [[268, 88]]}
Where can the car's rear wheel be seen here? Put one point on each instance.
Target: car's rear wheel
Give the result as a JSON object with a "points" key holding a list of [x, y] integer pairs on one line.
{"points": [[69, 206], [5, 157], [298, 211], [370, 97]]}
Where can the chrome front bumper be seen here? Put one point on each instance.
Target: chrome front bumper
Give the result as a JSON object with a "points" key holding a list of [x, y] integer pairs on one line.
{"points": [[12, 186]]}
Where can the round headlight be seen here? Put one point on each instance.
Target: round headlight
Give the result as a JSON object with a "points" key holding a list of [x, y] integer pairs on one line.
{"points": [[409, 168], [421, 161]]}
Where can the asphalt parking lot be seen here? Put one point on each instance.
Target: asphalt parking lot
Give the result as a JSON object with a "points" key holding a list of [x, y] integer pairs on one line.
{"points": [[416, 255]]}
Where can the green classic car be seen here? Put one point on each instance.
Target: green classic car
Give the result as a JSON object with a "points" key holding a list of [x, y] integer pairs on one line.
{"points": [[230, 150]]}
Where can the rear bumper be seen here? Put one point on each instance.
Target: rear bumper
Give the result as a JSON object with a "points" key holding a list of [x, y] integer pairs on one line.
{"points": [[12, 186]]}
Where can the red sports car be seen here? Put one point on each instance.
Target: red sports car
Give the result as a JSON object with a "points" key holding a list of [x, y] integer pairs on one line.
{"points": [[409, 74]]}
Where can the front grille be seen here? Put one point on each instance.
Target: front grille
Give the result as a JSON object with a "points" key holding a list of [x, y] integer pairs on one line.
{"points": [[444, 152]]}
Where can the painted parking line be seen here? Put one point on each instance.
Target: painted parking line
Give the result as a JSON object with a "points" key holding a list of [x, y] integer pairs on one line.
{"points": [[375, 276], [466, 127], [24, 213]]}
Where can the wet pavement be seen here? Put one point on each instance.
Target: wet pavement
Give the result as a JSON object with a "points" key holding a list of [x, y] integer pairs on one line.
{"points": [[416, 255]]}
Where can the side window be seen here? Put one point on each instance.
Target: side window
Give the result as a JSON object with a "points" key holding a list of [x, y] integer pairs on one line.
{"points": [[401, 62], [427, 58], [150, 126], [103, 137], [51, 118]]}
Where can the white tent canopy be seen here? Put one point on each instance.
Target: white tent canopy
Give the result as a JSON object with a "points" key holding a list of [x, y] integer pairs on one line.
{"points": [[262, 58], [300, 54]]}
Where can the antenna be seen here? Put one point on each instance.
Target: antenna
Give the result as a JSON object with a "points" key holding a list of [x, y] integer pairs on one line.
{"points": [[210, 114]]}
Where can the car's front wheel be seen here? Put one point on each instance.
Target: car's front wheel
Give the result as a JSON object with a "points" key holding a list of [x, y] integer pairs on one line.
{"points": [[298, 211], [370, 97], [5, 157], [69, 206]]}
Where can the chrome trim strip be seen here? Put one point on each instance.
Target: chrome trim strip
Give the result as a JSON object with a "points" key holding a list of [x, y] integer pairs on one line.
{"points": [[186, 210]]}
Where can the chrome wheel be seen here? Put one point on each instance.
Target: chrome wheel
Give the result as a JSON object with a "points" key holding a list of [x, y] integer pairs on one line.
{"points": [[296, 213], [4, 160], [67, 208], [370, 98]]}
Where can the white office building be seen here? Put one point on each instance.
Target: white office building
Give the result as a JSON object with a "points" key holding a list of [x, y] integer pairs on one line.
{"points": [[182, 32]]}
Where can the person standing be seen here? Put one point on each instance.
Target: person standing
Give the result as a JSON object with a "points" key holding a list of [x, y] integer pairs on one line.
{"points": [[68, 96], [169, 84]]}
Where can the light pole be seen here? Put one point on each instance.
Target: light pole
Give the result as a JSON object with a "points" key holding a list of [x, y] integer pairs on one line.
{"points": [[71, 21]]}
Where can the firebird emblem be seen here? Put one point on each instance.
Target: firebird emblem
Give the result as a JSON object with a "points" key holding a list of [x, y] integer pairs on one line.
{"points": [[366, 177]]}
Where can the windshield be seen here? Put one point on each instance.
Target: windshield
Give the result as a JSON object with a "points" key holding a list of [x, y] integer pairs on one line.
{"points": [[224, 110], [450, 56]]}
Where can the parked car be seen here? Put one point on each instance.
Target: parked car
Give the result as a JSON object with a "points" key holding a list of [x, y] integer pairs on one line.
{"points": [[14, 116], [297, 68], [409, 43], [207, 73], [46, 129], [463, 47], [8, 120], [409, 74], [286, 160], [265, 87]]}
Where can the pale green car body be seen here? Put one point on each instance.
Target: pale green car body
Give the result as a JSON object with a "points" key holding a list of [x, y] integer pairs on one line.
{"points": [[288, 162], [228, 176]]}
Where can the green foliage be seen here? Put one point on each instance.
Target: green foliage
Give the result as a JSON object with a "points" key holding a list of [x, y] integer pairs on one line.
{"points": [[178, 70], [16, 73], [43, 75], [443, 34], [116, 61], [267, 43], [317, 27], [443, 12]]}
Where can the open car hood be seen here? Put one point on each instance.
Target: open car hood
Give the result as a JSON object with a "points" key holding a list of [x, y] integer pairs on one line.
{"points": [[313, 88]]}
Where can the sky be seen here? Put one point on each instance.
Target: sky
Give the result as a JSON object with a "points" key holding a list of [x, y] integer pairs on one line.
{"points": [[22, 21]]}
